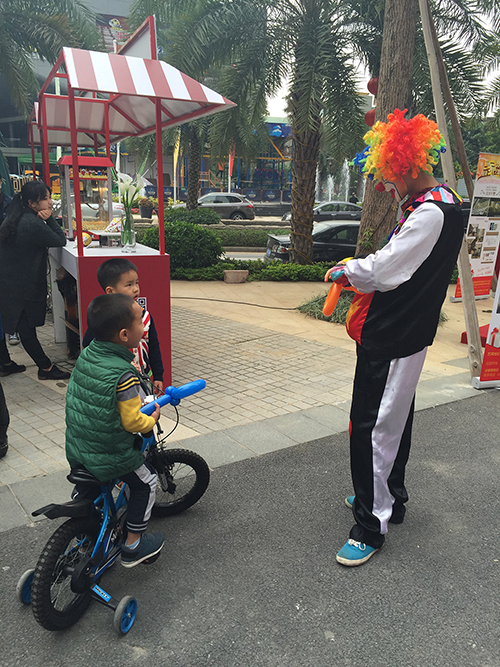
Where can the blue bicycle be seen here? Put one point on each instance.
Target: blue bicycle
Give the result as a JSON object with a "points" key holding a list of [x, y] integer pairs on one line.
{"points": [[65, 580]]}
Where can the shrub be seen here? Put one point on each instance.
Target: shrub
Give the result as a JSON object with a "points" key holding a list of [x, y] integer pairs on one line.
{"points": [[198, 216], [146, 202], [314, 307], [189, 246], [215, 272], [279, 271], [248, 238]]}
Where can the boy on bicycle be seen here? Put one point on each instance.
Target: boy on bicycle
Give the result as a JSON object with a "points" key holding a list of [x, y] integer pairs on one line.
{"points": [[119, 275], [103, 417]]}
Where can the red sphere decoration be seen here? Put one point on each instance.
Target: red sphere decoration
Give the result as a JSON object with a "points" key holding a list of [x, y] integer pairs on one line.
{"points": [[373, 85], [370, 117]]}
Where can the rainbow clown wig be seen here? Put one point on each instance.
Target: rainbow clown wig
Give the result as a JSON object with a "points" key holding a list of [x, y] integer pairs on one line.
{"points": [[400, 146]]}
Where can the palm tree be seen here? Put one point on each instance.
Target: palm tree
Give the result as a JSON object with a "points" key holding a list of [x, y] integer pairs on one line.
{"points": [[33, 28], [400, 89], [193, 39], [312, 42]]}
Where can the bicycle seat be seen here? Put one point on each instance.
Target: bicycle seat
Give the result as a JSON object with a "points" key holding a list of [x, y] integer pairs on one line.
{"points": [[83, 476]]}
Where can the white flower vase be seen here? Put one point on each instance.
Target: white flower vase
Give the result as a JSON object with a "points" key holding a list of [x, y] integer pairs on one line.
{"points": [[128, 233]]}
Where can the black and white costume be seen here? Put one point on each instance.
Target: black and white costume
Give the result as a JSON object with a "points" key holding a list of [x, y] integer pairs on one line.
{"points": [[393, 321]]}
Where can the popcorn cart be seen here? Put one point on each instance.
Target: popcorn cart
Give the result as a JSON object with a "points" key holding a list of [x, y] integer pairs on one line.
{"points": [[105, 98]]}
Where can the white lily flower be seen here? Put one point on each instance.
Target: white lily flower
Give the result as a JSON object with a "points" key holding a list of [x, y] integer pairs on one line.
{"points": [[125, 178]]}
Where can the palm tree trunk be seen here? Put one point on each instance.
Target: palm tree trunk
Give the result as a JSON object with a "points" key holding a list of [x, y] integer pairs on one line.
{"points": [[194, 162], [305, 148], [396, 64]]}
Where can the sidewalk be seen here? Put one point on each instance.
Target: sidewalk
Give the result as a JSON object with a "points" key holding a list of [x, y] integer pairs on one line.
{"points": [[275, 378]]}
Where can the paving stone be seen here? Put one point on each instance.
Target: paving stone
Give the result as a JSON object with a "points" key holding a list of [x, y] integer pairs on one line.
{"points": [[259, 438], [8, 476], [12, 514], [256, 378], [218, 449]]}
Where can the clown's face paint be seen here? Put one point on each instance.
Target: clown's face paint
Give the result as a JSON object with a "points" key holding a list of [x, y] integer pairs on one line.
{"points": [[397, 188]]}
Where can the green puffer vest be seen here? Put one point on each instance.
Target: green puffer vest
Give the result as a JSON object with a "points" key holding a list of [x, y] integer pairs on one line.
{"points": [[95, 437]]}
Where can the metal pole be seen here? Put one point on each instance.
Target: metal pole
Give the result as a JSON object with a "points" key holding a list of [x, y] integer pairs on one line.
{"points": [[438, 84], [76, 170], [159, 180], [45, 143]]}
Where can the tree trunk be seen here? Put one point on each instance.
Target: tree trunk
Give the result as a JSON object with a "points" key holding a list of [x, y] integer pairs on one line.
{"points": [[305, 152], [194, 163], [396, 66], [305, 160]]}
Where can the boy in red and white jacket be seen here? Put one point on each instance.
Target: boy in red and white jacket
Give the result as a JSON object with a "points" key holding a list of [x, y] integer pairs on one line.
{"points": [[119, 275]]}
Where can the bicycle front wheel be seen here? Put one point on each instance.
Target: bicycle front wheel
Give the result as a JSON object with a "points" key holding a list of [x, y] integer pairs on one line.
{"points": [[186, 479], [55, 605]]}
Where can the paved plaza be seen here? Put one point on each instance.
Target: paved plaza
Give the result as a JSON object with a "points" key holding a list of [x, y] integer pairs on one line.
{"points": [[275, 378]]}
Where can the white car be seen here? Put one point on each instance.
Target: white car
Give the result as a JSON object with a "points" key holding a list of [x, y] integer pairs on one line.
{"points": [[90, 211]]}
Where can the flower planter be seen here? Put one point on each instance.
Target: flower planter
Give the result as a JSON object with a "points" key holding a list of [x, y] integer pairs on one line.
{"points": [[145, 212]]}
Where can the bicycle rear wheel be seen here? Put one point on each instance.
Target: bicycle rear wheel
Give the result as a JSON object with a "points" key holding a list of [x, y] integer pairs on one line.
{"points": [[186, 479], [55, 605]]}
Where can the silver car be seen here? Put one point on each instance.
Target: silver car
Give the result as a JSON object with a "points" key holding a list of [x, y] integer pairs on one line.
{"points": [[229, 205], [333, 210]]}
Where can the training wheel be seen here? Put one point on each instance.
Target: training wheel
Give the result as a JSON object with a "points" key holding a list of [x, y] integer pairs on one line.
{"points": [[23, 588], [125, 614]]}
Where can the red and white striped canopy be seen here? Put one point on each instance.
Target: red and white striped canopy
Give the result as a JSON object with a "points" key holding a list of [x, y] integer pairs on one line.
{"points": [[128, 87]]}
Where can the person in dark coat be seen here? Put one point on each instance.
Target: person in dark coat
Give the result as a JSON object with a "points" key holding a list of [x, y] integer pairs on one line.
{"points": [[4, 201], [25, 234], [4, 414]]}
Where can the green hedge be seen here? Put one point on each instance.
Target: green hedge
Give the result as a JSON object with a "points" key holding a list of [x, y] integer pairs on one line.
{"points": [[247, 238], [198, 216], [189, 246], [258, 270]]}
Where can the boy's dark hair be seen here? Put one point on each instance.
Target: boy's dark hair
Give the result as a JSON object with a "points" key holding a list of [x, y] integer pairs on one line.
{"points": [[108, 314], [110, 272]]}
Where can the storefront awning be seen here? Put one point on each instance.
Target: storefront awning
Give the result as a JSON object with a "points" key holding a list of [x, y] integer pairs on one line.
{"points": [[124, 88]]}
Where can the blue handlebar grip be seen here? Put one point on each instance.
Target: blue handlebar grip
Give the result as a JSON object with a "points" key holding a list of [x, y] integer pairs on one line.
{"points": [[188, 389], [149, 408], [174, 394], [335, 276]]}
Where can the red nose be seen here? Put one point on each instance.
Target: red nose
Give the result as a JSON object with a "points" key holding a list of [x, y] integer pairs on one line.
{"points": [[380, 187]]}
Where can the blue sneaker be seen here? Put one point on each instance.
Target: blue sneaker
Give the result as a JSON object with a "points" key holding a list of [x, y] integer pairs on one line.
{"points": [[349, 501], [355, 553], [149, 546]]}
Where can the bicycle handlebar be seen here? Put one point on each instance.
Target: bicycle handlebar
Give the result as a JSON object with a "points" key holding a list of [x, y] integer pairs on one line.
{"points": [[173, 395]]}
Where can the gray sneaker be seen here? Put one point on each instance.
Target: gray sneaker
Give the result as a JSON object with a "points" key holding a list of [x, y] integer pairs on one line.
{"points": [[14, 339], [149, 546]]}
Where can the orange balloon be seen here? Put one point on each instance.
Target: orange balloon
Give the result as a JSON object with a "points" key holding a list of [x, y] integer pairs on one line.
{"points": [[331, 299]]}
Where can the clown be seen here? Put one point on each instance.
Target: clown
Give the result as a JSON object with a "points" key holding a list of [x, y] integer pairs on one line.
{"points": [[393, 319]]}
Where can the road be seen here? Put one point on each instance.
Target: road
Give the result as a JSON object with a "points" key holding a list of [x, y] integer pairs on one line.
{"points": [[248, 576], [245, 255]]}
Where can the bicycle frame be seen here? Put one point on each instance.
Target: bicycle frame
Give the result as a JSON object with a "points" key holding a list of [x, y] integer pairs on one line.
{"points": [[108, 509]]}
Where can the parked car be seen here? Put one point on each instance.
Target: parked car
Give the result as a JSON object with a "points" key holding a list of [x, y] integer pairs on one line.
{"points": [[90, 211], [333, 210], [332, 241], [227, 205]]}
